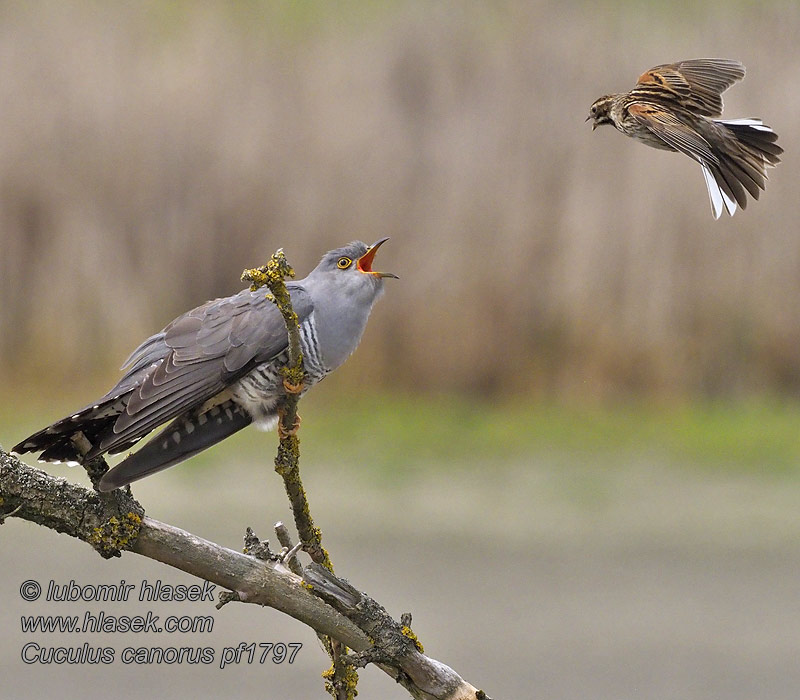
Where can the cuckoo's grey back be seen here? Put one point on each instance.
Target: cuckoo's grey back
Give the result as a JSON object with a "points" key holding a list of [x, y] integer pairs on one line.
{"points": [[216, 369]]}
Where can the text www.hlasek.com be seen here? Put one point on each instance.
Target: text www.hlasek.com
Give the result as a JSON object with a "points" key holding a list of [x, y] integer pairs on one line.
{"points": [[102, 622], [116, 623]]}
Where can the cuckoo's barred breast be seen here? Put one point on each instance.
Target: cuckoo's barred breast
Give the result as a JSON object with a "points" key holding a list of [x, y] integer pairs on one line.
{"points": [[259, 391]]}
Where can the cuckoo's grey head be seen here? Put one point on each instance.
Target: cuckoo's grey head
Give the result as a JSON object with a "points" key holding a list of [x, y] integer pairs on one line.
{"points": [[349, 269], [343, 288]]}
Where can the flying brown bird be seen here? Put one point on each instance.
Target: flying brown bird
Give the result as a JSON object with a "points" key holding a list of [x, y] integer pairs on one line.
{"points": [[672, 107]]}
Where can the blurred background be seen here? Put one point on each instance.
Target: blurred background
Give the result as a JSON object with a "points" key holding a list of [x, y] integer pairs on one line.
{"points": [[569, 441]]}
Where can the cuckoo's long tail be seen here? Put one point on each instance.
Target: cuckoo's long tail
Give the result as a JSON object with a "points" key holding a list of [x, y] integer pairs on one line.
{"points": [[181, 439]]}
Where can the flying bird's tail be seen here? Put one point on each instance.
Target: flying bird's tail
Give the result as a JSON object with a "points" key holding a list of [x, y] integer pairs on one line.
{"points": [[744, 150], [181, 439]]}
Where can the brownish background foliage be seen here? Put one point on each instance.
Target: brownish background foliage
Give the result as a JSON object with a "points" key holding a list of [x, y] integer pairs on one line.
{"points": [[149, 152]]}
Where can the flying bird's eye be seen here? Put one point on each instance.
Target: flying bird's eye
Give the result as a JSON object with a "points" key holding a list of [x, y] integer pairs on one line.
{"points": [[344, 263]]}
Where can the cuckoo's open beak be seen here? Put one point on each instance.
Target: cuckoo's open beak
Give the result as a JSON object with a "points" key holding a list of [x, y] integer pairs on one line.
{"points": [[365, 261]]}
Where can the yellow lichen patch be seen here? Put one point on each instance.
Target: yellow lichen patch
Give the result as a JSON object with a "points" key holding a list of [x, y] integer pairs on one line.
{"points": [[351, 681], [268, 275], [327, 563], [256, 276], [347, 676], [407, 632], [329, 675], [116, 534]]}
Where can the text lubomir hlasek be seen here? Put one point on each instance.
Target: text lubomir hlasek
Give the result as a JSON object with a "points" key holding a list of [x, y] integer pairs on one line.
{"points": [[150, 592]]}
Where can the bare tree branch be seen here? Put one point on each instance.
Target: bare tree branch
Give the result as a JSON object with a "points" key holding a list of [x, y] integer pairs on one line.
{"points": [[104, 523]]}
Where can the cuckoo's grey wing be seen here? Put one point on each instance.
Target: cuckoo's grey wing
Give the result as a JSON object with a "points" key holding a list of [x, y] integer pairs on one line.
{"points": [[697, 84], [195, 358]]}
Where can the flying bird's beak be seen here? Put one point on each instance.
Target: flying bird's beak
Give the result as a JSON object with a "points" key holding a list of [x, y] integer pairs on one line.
{"points": [[365, 261]]}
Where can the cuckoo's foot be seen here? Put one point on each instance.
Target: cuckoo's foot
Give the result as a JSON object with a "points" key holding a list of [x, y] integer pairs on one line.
{"points": [[284, 433], [291, 387]]}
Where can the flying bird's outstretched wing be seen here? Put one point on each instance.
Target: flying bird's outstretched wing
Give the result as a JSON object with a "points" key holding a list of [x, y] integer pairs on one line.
{"points": [[697, 84]]}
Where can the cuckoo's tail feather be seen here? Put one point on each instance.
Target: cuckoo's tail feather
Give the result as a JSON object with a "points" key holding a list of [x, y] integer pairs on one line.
{"points": [[181, 439], [57, 442]]}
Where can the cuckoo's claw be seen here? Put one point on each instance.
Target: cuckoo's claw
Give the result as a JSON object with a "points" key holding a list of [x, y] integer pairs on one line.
{"points": [[291, 387], [283, 432]]}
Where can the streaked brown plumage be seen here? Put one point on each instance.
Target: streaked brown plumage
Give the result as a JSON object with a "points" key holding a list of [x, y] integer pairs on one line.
{"points": [[672, 107]]}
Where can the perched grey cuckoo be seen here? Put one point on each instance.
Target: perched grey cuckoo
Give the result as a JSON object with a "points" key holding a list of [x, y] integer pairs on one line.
{"points": [[216, 369]]}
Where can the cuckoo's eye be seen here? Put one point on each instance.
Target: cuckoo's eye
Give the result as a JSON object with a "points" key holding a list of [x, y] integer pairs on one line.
{"points": [[343, 263]]}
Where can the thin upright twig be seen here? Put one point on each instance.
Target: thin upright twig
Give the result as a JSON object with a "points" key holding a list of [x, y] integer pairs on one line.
{"points": [[341, 678]]}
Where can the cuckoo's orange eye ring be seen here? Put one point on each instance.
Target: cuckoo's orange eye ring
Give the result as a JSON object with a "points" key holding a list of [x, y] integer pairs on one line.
{"points": [[343, 263]]}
